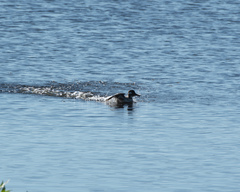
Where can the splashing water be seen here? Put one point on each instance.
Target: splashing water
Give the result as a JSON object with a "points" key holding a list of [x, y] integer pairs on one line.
{"points": [[50, 91]]}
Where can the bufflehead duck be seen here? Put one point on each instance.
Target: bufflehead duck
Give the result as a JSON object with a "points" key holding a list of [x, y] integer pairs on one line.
{"points": [[121, 99]]}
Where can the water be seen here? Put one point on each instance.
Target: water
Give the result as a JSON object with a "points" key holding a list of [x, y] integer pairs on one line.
{"points": [[60, 60]]}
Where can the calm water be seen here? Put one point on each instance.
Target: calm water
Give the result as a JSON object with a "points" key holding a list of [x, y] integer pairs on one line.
{"points": [[61, 59]]}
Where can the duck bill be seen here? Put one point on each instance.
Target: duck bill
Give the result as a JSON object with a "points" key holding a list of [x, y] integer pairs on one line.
{"points": [[138, 95]]}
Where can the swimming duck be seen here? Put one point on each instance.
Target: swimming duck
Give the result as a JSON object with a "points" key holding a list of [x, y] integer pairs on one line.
{"points": [[121, 99]]}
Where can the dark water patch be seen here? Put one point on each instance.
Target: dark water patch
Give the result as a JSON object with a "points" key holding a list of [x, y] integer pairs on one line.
{"points": [[156, 92]]}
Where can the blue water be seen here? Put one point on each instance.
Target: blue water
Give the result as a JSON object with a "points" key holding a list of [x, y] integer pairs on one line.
{"points": [[60, 60]]}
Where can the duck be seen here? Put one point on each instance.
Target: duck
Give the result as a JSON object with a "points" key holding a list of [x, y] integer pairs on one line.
{"points": [[122, 99]]}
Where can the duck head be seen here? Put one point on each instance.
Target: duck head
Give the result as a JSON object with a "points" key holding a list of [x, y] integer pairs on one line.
{"points": [[132, 93]]}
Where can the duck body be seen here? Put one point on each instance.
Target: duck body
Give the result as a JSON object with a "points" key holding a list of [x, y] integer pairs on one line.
{"points": [[121, 99]]}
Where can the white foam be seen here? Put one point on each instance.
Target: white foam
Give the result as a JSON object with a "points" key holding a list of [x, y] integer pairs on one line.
{"points": [[59, 93]]}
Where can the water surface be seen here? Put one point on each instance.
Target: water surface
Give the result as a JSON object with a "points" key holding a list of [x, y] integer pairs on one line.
{"points": [[60, 61]]}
